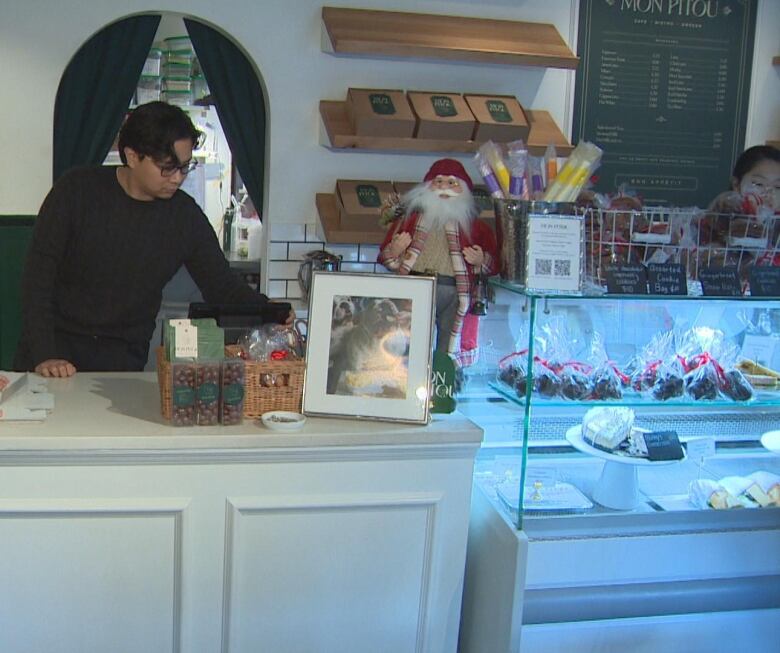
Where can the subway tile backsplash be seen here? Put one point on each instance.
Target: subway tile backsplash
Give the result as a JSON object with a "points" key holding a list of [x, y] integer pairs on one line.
{"points": [[290, 243]]}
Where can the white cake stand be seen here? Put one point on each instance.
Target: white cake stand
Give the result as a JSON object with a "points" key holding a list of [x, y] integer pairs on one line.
{"points": [[618, 485]]}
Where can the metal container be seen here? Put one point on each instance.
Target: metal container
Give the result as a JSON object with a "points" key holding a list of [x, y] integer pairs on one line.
{"points": [[316, 260], [512, 232]]}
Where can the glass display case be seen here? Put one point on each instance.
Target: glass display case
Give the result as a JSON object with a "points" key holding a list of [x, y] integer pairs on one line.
{"points": [[612, 410]]}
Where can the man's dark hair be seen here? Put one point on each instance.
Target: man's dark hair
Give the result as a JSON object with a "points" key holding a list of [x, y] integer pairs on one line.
{"points": [[151, 130], [751, 157]]}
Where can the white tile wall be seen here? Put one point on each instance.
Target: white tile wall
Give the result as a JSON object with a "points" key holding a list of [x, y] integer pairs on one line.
{"points": [[289, 244]]}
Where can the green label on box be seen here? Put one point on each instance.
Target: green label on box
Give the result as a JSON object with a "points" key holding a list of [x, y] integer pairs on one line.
{"points": [[382, 104], [443, 106], [233, 394], [498, 111], [482, 199], [183, 396], [368, 196], [208, 393]]}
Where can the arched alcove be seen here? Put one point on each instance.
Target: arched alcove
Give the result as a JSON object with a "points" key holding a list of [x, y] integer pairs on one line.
{"points": [[98, 84]]}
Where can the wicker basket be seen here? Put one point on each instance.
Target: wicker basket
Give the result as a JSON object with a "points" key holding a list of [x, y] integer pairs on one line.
{"points": [[269, 385]]}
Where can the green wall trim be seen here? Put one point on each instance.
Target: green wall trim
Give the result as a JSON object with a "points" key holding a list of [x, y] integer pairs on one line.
{"points": [[15, 235]]}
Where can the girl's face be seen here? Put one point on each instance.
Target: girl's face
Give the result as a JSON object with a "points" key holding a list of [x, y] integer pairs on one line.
{"points": [[762, 179]]}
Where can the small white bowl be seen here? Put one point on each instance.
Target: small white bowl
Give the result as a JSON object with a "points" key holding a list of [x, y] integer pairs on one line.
{"points": [[282, 420], [771, 440]]}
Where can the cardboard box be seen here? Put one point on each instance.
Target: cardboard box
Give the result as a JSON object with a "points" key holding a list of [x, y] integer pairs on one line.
{"points": [[500, 118], [360, 203], [380, 112], [444, 116], [403, 187]]}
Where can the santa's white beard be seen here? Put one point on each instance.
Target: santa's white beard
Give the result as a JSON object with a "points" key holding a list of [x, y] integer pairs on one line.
{"points": [[436, 211]]}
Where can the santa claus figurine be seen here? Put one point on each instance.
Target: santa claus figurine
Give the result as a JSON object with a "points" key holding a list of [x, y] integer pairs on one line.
{"points": [[437, 234]]}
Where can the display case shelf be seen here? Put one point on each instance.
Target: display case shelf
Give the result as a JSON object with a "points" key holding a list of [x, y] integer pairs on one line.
{"points": [[327, 209], [450, 38], [341, 136], [633, 399]]}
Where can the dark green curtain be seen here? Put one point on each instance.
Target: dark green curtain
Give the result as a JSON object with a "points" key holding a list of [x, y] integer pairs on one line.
{"points": [[96, 90], [239, 101]]}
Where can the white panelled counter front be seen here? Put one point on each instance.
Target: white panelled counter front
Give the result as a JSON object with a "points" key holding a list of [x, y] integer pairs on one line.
{"points": [[121, 533]]}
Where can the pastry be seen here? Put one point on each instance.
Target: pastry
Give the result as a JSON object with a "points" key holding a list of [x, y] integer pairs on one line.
{"points": [[668, 385], [547, 383], [705, 493], [607, 428], [606, 385], [769, 484], [752, 367], [574, 384], [701, 384], [736, 386]]}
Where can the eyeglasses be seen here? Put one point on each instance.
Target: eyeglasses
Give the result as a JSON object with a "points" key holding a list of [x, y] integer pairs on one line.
{"points": [[167, 170]]}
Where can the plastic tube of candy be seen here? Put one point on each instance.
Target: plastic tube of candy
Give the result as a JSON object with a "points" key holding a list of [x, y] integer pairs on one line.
{"points": [[575, 173], [517, 155], [492, 153], [550, 164], [488, 177], [535, 173]]}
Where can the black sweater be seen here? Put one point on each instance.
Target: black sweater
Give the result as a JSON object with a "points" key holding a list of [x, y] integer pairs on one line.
{"points": [[99, 260]]}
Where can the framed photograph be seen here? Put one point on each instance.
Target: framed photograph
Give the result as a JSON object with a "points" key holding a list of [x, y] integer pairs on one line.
{"points": [[368, 352]]}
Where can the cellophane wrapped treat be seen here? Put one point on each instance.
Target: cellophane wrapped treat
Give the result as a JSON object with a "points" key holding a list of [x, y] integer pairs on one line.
{"points": [[183, 411]]}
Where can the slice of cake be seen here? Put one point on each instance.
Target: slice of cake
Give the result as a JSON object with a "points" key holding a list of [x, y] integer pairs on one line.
{"points": [[607, 428]]}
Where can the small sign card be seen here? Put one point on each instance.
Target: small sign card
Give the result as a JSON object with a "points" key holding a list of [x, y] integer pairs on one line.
{"points": [[627, 279], [700, 448], [663, 445], [667, 279], [720, 282], [765, 281], [554, 253]]}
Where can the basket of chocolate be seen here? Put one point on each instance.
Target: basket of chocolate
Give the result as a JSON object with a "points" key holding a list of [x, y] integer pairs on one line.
{"points": [[203, 382]]}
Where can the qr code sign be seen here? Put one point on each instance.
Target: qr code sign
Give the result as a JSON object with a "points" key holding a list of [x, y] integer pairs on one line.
{"points": [[543, 267], [562, 268]]}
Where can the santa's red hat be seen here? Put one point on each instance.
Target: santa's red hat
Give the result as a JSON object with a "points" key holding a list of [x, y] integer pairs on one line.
{"points": [[447, 168]]}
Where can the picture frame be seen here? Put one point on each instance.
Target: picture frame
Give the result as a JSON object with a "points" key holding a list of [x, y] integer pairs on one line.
{"points": [[369, 346]]}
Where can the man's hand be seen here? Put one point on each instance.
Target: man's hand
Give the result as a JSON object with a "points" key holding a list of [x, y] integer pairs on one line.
{"points": [[290, 318], [474, 255], [56, 367], [399, 243]]}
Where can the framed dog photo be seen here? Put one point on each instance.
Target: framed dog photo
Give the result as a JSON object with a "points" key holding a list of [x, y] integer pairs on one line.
{"points": [[368, 351]]}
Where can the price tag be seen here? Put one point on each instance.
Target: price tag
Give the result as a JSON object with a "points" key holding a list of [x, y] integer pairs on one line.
{"points": [[186, 340], [547, 476], [765, 281], [663, 445], [700, 448], [720, 282], [667, 279], [759, 348], [627, 280]]}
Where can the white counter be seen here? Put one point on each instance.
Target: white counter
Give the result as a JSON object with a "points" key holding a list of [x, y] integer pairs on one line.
{"points": [[345, 536]]}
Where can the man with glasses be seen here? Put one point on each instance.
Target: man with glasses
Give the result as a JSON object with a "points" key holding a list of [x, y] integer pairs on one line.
{"points": [[107, 240]]}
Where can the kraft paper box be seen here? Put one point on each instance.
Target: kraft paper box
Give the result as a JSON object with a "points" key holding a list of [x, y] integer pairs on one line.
{"points": [[379, 112], [360, 203], [444, 116], [403, 187], [500, 118]]}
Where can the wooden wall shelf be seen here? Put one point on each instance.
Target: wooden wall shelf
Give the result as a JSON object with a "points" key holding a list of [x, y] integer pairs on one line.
{"points": [[328, 210], [341, 136], [453, 38], [774, 144]]}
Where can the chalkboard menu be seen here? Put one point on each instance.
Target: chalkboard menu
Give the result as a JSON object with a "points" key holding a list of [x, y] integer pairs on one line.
{"points": [[663, 89], [667, 279], [765, 281]]}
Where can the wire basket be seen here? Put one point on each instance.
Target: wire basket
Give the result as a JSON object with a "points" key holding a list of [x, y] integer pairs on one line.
{"points": [[692, 237], [269, 385]]}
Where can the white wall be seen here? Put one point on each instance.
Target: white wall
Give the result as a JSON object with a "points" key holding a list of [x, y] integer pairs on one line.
{"points": [[38, 38]]}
